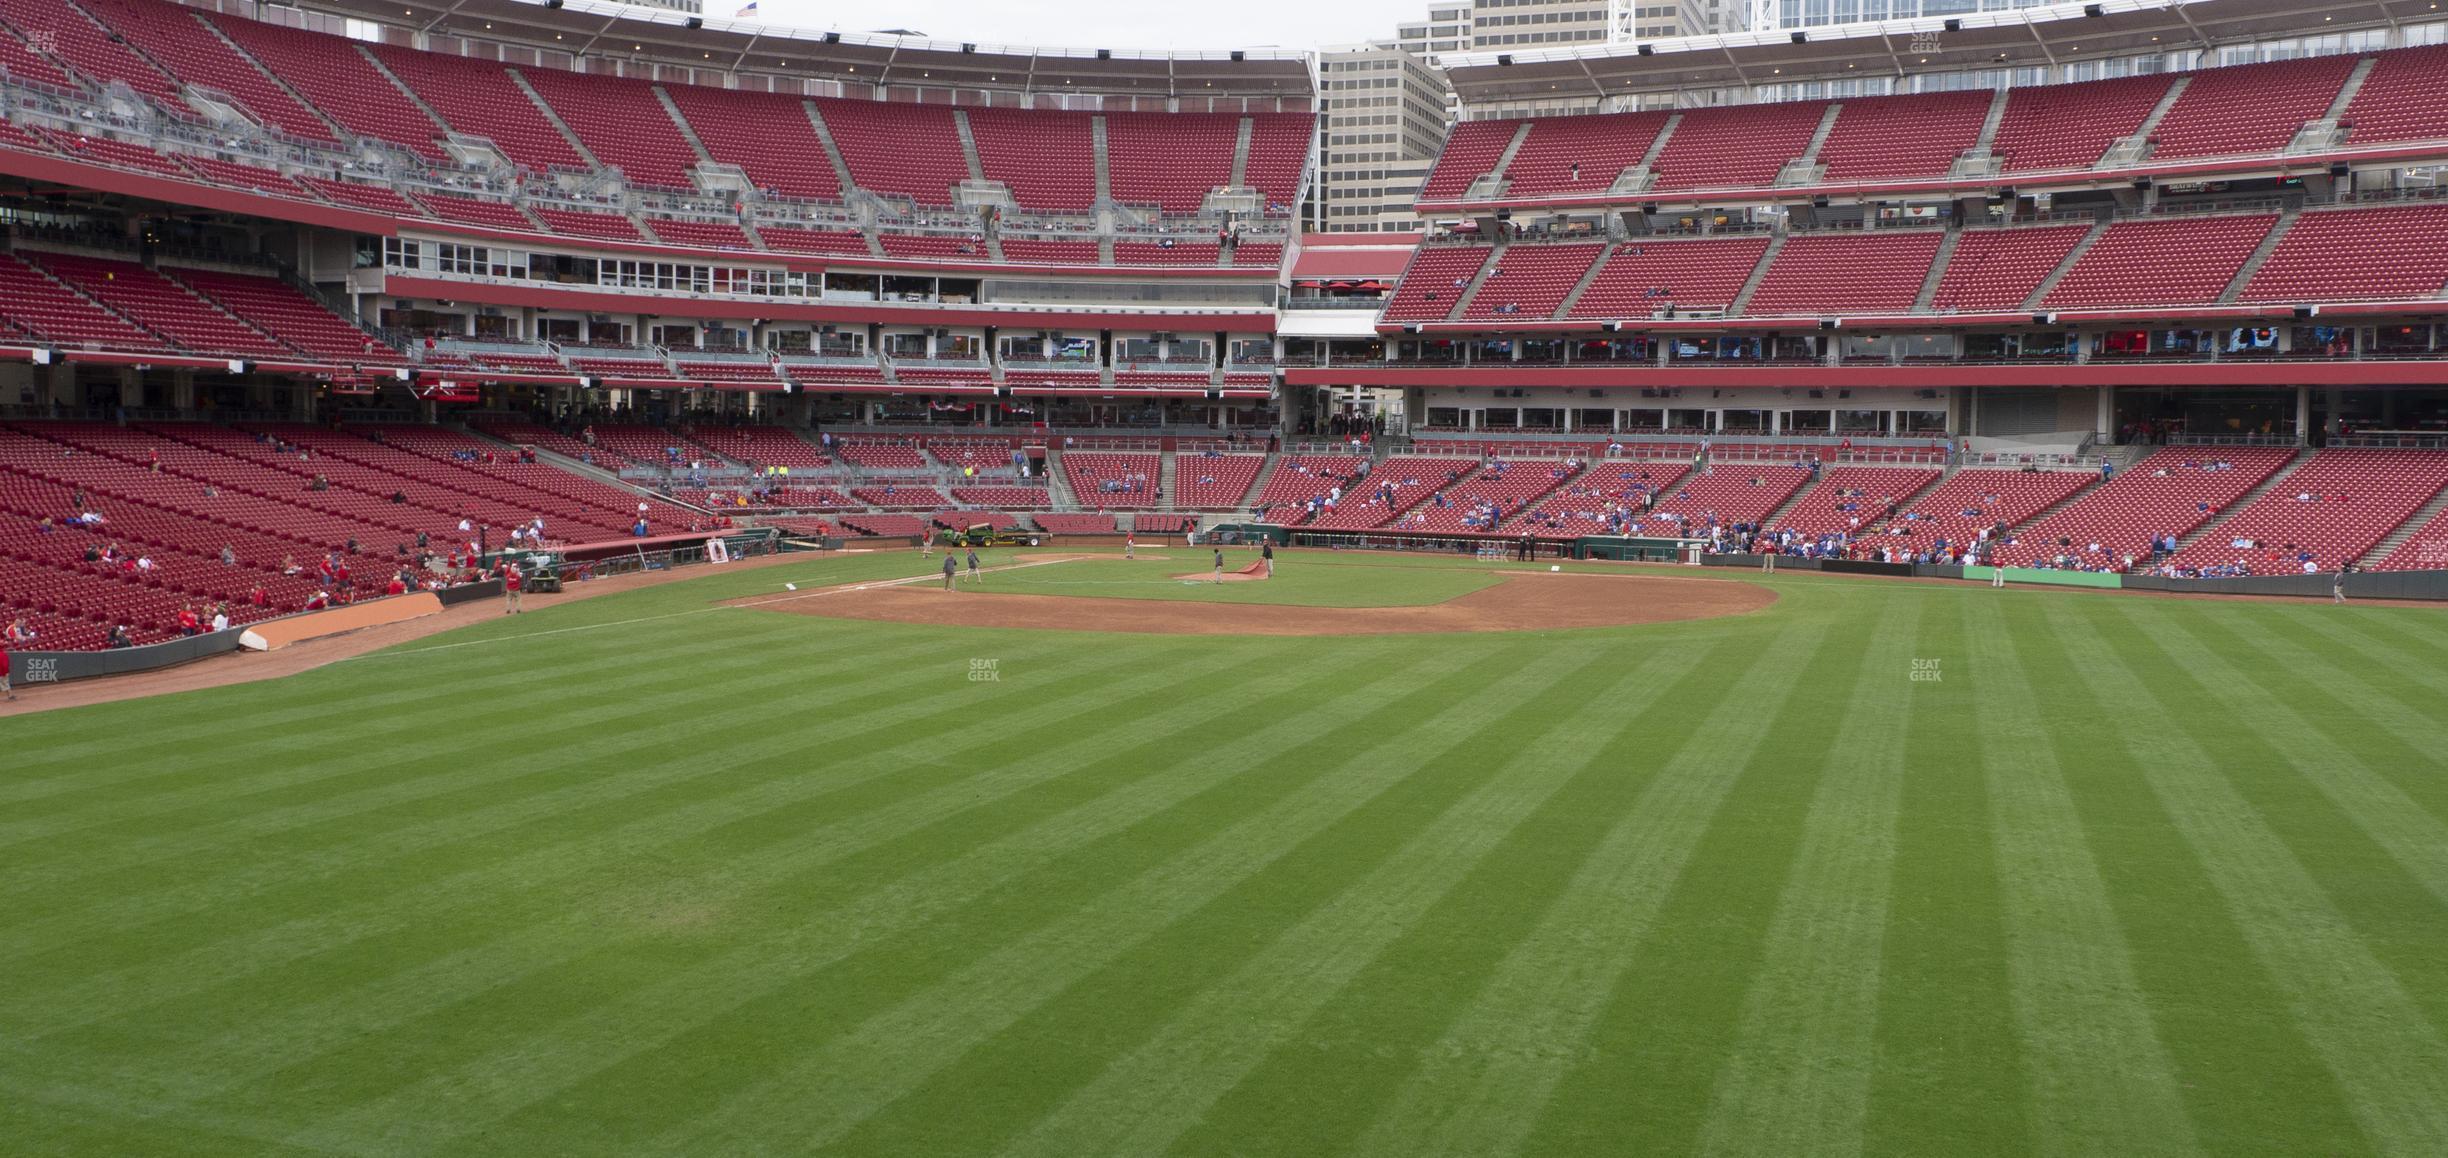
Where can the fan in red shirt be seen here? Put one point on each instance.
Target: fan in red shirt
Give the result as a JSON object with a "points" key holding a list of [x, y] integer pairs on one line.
{"points": [[512, 581]]}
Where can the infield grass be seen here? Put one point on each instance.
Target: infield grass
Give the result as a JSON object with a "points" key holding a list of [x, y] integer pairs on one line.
{"points": [[1887, 868]]}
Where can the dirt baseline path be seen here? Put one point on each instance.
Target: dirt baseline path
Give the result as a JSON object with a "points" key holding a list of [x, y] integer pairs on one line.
{"points": [[1523, 602]]}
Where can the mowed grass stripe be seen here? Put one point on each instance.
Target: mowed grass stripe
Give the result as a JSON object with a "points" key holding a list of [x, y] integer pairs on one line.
{"points": [[2250, 710], [596, 1031], [2101, 1080], [342, 994], [1948, 1075], [2391, 1063], [2395, 730], [1320, 1086], [1798, 1078], [1144, 1100], [837, 1084], [291, 857], [404, 762], [1482, 1085], [769, 774]]}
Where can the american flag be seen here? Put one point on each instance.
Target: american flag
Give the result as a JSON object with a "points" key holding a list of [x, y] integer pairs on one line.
{"points": [[746, 12]]}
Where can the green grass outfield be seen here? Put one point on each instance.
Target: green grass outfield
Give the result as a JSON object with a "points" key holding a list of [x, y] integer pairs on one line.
{"points": [[1888, 868]]}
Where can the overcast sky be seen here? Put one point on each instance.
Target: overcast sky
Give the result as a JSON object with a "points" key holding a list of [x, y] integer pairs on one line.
{"points": [[1160, 24]]}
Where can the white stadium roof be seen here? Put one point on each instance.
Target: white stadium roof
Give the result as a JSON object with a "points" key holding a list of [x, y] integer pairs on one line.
{"points": [[2017, 38], [602, 29]]}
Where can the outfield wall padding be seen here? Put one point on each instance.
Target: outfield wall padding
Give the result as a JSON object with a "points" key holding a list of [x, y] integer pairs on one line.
{"points": [[274, 634], [1862, 567], [2046, 577], [2430, 585], [51, 667]]}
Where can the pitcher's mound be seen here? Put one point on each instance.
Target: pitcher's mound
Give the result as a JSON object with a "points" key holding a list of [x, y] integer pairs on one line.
{"points": [[1533, 602]]}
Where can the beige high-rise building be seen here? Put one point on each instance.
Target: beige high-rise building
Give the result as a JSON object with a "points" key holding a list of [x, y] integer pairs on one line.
{"points": [[1382, 115]]}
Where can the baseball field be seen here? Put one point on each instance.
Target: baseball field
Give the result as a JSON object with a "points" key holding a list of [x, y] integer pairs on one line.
{"points": [[1748, 864]]}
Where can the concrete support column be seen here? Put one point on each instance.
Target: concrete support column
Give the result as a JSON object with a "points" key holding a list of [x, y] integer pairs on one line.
{"points": [[2303, 414]]}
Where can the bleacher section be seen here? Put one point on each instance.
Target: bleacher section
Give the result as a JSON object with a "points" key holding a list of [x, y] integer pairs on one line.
{"points": [[1868, 273], [1531, 281], [2169, 493], [2330, 511], [1903, 136], [1171, 161], [329, 71], [2252, 108], [900, 150], [2170, 261], [480, 98], [2071, 126], [1214, 482], [1434, 282], [1566, 155], [1851, 499], [622, 123], [2000, 269], [1648, 277], [2404, 99], [1471, 150], [173, 38], [768, 135], [2398, 253], [1972, 500], [1047, 159], [1106, 481], [1299, 479], [1736, 146]]}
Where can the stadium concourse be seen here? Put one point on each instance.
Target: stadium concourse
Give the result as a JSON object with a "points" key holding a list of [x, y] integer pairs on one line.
{"points": [[287, 310]]}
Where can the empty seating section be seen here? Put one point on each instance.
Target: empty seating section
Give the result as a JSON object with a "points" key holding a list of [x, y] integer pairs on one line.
{"points": [[1434, 282], [1580, 154], [742, 374], [1004, 498], [2393, 253], [1214, 482], [172, 37], [814, 242], [287, 314], [942, 378], [2070, 126], [1023, 378], [2252, 108], [1258, 253], [621, 122], [629, 367], [1077, 524], [1488, 497], [478, 97], [1530, 281], [1903, 136], [1169, 160], [1039, 251], [1278, 152], [768, 135], [1046, 159], [45, 309], [1850, 499], [1395, 486], [1105, 480], [881, 455], [2169, 493], [1161, 379], [1642, 278], [1975, 499], [1163, 253], [901, 496], [1165, 524], [581, 223], [1736, 146], [2174, 261], [330, 72], [2000, 269], [703, 234], [1867, 273], [2334, 508], [474, 211], [932, 246], [901, 150], [24, 65], [160, 305], [646, 445], [2405, 98], [247, 178], [1471, 151], [2425, 550], [1300, 478], [833, 373], [105, 151], [99, 56]]}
